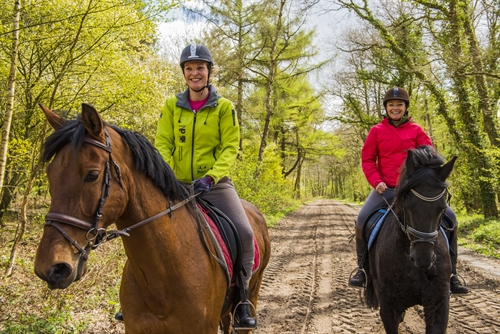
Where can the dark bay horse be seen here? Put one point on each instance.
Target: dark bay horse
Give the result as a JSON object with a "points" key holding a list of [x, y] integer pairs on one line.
{"points": [[410, 262], [100, 174]]}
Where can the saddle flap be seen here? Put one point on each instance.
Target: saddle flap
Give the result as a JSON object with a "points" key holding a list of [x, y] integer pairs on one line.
{"points": [[227, 231]]}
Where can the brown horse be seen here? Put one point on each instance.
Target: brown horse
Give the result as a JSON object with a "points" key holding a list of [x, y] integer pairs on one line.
{"points": [[100, 174]]}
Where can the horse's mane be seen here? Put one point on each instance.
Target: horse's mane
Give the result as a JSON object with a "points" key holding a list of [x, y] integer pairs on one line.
{"points": [[427, 165], [147, 159]]}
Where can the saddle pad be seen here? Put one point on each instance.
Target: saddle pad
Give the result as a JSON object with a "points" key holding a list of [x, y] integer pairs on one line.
{"points": [[223, 246]]}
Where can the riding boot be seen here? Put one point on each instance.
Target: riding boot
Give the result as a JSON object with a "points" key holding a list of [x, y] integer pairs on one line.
{"points": [[359, 279], [456, 287], [119, 316], [243, 318]]}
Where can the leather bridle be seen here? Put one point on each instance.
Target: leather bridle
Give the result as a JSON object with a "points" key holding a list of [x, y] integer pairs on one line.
{"points": [[96, 235], [414, 235]]}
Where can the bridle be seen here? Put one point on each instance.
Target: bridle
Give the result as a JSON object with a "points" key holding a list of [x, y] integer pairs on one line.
{"points": [[95, 235], [414, 235]]}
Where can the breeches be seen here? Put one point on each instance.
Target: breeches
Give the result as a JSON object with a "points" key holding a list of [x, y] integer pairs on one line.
{"points": [[223, 195]]}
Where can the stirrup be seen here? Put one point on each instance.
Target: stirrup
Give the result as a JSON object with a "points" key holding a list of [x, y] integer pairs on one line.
{"points": [[354, 272], [462, 282], [236, 326]]}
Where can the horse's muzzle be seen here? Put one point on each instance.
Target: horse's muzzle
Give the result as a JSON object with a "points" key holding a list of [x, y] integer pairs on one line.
{"points": [[423, 259], [61, 275]]}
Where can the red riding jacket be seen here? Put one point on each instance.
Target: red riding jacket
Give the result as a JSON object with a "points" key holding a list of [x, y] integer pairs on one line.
{"points": [[385, 150]]}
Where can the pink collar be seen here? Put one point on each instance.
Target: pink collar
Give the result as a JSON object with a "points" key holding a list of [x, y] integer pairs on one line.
{"points": [[196, 105]]}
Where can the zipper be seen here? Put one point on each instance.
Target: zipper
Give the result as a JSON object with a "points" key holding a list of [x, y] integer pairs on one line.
{"points": [[192, 146]]}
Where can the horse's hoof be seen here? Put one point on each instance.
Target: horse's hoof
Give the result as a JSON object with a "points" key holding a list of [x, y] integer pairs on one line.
{"points": [[119, 316]]}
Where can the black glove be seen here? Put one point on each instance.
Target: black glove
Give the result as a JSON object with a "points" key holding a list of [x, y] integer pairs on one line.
{"points": [[203, 184]]}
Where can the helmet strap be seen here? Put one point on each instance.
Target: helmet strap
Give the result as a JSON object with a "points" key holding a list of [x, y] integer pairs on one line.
{"points": [[202, 88]]}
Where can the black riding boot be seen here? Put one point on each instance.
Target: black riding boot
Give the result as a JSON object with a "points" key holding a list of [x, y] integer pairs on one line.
{"points": [[119, 316], [456, 287], [243, 318], [359, 279]]}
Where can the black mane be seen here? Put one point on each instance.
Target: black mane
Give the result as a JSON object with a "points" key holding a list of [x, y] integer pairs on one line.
{"points": [[427, 164], [147, 159]]}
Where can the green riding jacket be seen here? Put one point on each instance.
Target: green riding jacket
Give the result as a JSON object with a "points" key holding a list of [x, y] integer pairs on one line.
{"points": [[197, 144]]}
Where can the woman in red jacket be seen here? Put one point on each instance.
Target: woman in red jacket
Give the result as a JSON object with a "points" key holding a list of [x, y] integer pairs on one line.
{"points": [[383, 153]]}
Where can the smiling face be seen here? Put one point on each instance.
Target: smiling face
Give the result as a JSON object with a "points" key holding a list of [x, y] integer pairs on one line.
{"points": [[395, 109], [196, 74]]}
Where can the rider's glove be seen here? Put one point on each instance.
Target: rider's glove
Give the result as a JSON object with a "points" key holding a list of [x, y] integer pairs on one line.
{"points": [[203, 184]]}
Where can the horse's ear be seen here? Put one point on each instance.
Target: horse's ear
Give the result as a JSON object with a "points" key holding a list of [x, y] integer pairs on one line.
{"points": [[54, 119], [92, 121], [410, 164], [447, 168]]}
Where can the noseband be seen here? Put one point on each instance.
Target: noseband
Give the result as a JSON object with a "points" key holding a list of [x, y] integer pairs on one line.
{"points": [[95, 235], [429, 237]]}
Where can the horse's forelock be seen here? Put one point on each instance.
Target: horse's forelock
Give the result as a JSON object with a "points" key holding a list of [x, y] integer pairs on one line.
{"points": [[73, 131]]}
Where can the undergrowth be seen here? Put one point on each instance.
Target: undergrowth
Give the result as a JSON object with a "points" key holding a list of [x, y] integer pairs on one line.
{"points": [[479, 234]]}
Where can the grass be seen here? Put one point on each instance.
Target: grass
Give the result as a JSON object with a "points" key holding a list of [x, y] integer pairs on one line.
{"points": [[87, 306], [480, 235]]}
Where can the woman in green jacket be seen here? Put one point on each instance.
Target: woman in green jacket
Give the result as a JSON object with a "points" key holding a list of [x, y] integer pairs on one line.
{"points": [[198, 135]]}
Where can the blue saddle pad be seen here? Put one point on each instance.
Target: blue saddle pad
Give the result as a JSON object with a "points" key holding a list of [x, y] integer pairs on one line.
{"points": [[377, 224]]}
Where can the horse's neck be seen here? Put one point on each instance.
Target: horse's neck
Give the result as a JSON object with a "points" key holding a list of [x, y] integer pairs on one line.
{"points": [[394, 221], [146, 201]]}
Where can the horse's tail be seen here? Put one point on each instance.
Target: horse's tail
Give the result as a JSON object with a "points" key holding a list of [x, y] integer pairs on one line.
{"points": [[370, 296]]}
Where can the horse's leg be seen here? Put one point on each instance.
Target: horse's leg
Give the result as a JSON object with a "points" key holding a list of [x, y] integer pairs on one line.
{"points": [[390, 317], [436, 315], [226, 323]]}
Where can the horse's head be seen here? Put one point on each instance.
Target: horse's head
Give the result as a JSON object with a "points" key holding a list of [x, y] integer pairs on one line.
{"points": [[421, 199], [87, 194]]}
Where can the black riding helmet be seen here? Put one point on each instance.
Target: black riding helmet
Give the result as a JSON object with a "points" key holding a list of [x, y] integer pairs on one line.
{"points": [[197, 52], [397, 93]]}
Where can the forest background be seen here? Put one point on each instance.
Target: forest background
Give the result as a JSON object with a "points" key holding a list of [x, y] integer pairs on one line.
{"points": [[307, 78]]}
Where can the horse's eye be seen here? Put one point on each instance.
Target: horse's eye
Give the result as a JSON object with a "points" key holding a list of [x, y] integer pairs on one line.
{"points": [[92, 176]]}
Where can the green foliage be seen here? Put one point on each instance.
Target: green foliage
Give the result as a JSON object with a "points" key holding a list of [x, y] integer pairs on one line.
{"points": [[54, 320], [271, 193], [479, 234]]}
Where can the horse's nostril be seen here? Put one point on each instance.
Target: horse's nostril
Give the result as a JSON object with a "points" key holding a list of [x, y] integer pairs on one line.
{"points": [[59, 272]]}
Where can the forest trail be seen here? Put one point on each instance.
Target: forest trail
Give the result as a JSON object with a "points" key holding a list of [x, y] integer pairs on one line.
{"points": [[305, 284]]}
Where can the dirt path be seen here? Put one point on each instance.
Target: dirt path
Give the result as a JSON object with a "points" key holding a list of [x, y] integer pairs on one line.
{"points": [[305, 285]]}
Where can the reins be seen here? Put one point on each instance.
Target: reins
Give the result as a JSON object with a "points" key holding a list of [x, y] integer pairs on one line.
{"points": [[96, 236], [428, 237]]}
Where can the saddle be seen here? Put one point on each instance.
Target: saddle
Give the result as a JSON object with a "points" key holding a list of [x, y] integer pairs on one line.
{"points": [[225, 233], [227, 240]]}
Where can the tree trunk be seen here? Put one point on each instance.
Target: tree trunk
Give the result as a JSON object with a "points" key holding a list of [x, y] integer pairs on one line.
{"points": [[11, 89], [269, 87]]}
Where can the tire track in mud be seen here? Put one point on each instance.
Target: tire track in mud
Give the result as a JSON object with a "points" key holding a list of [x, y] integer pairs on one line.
{"points": [[305, 284]]}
